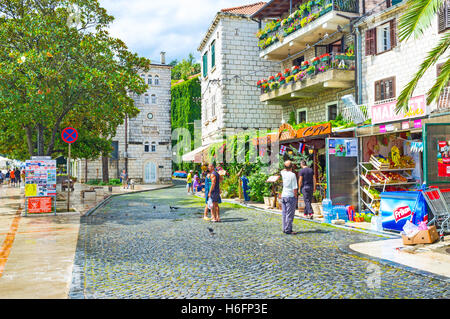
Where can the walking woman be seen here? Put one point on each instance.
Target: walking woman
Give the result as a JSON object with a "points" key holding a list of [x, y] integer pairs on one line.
{"points": [[207, 189]]}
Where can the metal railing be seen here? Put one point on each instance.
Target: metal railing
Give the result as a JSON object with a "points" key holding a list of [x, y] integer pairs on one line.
{"points": [[336, 61], [351, 112], [297, 22]]}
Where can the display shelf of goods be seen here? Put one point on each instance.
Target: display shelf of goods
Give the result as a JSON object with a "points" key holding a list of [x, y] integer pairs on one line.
{"points": [[380, 162], [372, 193], [375, 207]]}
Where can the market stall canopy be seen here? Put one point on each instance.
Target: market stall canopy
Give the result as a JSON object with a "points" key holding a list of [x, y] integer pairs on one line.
{"points": [[275, 9], [196, 155]]}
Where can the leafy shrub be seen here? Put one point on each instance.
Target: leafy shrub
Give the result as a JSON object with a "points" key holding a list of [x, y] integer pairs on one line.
{"points": [[258, 187], [230, 186]]}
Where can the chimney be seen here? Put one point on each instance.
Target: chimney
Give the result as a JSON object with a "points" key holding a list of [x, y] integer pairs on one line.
{"points": [[163, 57]]}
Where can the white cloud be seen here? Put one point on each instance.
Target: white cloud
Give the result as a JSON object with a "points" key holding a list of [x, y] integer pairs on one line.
{"points": [[174, 26]]}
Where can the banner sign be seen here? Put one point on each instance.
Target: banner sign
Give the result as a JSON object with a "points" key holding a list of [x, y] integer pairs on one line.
{"points": [[322, 129], [385, 113], [40, 178], [39, 205]]}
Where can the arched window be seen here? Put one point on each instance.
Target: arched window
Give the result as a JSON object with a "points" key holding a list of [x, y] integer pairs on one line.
{"points": [[150, 80], [156, 79], [146, 99], [146, 147], [153, 147], [154, 98]]}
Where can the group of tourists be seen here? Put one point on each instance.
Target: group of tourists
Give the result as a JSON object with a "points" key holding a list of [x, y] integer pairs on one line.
{"points": [[12, 177], [289, 196], [212, 180]]}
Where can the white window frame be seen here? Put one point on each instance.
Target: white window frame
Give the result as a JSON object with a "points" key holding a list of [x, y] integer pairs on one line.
{"points": [[145, 145], [154, 99], [156, 82], [150, 79], [213, 106], [303, 109], [153, 147], [383, 43], [327, 115], [146, 99]]}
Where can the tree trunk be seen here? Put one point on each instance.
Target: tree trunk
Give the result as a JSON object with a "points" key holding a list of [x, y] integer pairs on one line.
{"points": [[86, 171], [30, 143], [105, 169], [40, 140]]}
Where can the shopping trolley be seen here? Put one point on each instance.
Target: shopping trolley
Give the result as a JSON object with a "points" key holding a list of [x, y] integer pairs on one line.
{"points": [[439, 200]]}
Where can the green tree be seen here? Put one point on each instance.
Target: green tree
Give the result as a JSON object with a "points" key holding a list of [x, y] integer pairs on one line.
{"points": [[56, 73], [186, 68], [413, 23]]}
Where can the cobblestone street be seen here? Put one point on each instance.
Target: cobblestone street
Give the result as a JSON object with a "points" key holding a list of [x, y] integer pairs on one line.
{"points": [[136, 246]]}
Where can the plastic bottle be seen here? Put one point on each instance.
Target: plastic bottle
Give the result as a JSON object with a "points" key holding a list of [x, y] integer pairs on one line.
{"points": [[327, 209]]}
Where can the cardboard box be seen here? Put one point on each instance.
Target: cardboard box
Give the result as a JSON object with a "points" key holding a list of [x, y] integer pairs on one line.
{"points": [[429, 236]]}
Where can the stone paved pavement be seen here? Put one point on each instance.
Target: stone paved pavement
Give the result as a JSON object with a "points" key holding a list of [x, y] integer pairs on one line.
{"points": [[136, 247]]}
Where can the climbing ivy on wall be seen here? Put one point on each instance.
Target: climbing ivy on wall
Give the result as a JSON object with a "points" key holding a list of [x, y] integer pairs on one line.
{"points": [[186, 108]]}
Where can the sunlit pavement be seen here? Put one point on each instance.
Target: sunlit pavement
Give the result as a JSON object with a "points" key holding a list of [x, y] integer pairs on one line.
{"points": [[136, 246], [37, 253]]}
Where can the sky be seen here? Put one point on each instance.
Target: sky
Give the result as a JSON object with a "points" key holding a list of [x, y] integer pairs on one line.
{"points": [[173, 26]]}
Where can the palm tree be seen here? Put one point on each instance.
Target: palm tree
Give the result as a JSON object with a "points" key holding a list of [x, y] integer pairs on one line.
{"points": [[417, 18]]}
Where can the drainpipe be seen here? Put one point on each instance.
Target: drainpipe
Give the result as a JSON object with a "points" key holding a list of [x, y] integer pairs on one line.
{"points": [[290, 8], [358, 69]]}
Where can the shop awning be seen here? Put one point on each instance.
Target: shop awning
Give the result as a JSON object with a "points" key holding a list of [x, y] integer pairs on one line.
{"points": [[196, 155]]}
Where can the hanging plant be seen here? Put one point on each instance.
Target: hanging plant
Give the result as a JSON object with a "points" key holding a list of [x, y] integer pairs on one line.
{"points": [[282, 80], [295, 70], [311, 70], [287, 72], [305, 65]]}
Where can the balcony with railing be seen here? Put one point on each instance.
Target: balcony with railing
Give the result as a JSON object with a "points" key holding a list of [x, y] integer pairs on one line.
{"points": [[329, 71], [307, 24]]}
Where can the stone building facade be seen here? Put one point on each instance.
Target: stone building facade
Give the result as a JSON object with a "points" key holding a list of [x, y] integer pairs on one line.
{"points": [[393, 59], [230, 69], [149, 135], [318, 99]]}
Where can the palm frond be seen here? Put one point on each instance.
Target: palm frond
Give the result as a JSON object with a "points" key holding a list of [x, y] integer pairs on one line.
{"points": [[441, 82], [418, 17], [431, 59]]}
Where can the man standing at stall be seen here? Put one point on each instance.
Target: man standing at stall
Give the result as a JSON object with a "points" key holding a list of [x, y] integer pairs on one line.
{"points": [[289, 198], [307, 185]]}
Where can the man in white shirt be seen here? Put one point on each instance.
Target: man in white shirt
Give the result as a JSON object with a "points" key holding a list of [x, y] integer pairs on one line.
{"points": [[289, 198]]}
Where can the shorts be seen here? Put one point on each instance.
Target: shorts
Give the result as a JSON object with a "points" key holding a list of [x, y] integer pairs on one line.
{"points": [[215, 197]]}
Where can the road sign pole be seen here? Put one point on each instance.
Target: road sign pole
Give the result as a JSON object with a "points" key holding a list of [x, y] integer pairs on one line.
{"points": [[68, 183]]}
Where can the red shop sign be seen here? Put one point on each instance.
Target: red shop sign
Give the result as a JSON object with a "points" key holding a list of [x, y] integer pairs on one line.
{"points": [[39, 205]]}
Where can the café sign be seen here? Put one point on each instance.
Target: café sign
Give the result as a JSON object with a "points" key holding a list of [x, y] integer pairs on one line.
{"points": [[384, 113]]}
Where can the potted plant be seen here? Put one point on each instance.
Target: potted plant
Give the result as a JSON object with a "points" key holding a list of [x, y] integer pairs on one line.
{"points": [[290, 79], [305, 65], [295, 70], [287, 72], [325, 57], [274, 85], [282, 80], [271, 79], [316, 61], [311, 70], [317, 205], [278, 77]]}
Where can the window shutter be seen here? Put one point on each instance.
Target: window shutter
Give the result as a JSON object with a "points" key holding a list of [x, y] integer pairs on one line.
{"points": [[393, 33], [371, 42], [377, 91]]}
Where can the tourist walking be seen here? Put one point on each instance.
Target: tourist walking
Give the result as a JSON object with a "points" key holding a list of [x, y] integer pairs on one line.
{"points": [[124, 177], [23, 176], [214, 193], [12, 177], [189, 183], [17, 175], [8, 178], [307, 185], [245, 188], [207, 189], [289, 198]]}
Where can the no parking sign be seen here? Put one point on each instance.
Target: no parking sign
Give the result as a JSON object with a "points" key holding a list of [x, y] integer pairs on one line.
{"points": [[69, 135]]}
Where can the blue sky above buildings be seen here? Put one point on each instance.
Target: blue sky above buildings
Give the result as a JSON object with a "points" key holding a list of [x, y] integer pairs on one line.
{"points": [[174, 26]]}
